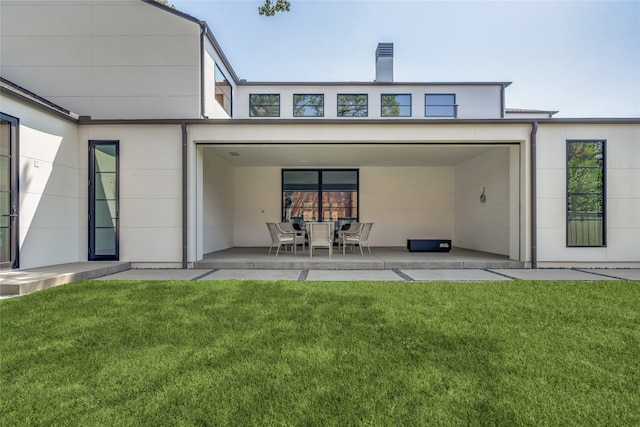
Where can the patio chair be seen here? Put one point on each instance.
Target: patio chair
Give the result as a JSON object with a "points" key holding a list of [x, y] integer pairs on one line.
{"points": [[359, 238], [280, 238], [287, 227], [320, 236], [354, 227]]}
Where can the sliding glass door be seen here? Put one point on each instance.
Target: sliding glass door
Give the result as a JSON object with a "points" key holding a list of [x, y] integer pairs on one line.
{"points": [[103, 200]]}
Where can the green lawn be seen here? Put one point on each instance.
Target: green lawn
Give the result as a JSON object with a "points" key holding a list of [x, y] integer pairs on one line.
{"points": [[248, 353]]}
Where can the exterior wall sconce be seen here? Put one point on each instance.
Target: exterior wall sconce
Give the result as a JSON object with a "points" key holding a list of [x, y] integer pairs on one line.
{"points": [[483, 198]]}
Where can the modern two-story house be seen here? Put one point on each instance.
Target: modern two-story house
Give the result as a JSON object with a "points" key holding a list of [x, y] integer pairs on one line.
{"points": [[127, 135]]}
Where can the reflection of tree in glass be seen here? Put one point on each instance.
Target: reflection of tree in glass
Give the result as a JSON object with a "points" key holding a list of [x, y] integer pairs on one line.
{"points": [[352, 105], [390, 106], [308, 105], [585, 177], [264, 105]]}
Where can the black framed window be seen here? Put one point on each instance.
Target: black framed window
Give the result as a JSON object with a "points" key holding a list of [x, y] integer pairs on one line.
{"points": [[392, 105], [264, 105], [104, 200], [586, 193], [350, 105], [320, 195], [223, 91], [440, 105], [308, 105]]}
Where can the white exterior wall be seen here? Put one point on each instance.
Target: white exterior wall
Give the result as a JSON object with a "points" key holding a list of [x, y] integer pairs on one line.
{"points": [[622, 192], [50, 209], [478, 102], [407, 203], [484, 226], [218, 203], [119, 59], [257, 193], [150, 190]]}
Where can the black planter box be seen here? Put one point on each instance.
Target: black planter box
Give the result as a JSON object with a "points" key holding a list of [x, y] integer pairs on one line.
{"points": [[428, 245]]}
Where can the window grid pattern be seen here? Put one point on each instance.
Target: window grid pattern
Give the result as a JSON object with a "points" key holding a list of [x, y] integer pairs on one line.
{"points": [[353, 105], [586, 194], [308, 105], [395, 105], [440, 105], [264, 105]]}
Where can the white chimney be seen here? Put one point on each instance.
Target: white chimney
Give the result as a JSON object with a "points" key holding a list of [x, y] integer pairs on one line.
{"points": [[384, 62]]}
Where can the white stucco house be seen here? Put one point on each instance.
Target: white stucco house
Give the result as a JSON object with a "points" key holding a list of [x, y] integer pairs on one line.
{"points": [[127, 135]]}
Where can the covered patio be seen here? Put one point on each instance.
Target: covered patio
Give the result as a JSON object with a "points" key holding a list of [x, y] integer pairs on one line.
{"points": [[381, 258], [467, 184]]}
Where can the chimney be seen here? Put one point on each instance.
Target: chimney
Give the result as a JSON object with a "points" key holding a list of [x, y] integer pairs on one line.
{"points": [[384, 62]]}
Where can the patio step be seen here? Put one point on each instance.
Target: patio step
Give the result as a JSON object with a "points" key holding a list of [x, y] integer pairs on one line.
{"points": [[380, 259], [20, 282]]}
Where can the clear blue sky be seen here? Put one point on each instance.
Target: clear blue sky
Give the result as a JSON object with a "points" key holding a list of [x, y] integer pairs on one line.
{"points": [[579, 57]]}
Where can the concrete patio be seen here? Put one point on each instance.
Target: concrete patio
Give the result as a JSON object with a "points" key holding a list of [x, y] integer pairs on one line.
{"points": [[386, 264]]}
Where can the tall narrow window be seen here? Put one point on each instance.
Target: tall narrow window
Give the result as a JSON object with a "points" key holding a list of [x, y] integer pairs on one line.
{"points": [[320, 195], [395, 105], [9, 253], [223, 90], [308, 105], [353, 105], [586, 193], [440, 105], [104, 206], [261, 105]]}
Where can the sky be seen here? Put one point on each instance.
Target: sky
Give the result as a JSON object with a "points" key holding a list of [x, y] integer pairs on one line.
{"points": [[581, 58]]}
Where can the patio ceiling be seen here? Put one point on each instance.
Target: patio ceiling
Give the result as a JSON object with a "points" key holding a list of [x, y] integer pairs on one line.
{"points": [[348, 155]]}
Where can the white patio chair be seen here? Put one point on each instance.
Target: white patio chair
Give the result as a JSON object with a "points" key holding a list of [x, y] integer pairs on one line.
{"points": [[354, 227], [287, 227], [360, 238], [320, 236], [280, 238]]}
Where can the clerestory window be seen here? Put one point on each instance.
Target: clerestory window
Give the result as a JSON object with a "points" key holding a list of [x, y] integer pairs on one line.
{"points": [[350, 105], [440, 105], [395, 105], [264, 105], [308, 105]]}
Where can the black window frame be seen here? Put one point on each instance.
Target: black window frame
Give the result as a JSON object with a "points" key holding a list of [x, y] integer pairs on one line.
{"points": [[600, 216], [14, 189], [453, 106], [320, 189], [382, 104], [92, 256], [352, 107], [319, 108], [253, 112]]}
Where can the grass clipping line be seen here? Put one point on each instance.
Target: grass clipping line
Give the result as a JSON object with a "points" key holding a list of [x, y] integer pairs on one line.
{"points": [[331, 353]]}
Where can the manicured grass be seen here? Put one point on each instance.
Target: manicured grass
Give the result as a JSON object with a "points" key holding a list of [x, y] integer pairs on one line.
{"points": [[244, 353]]}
